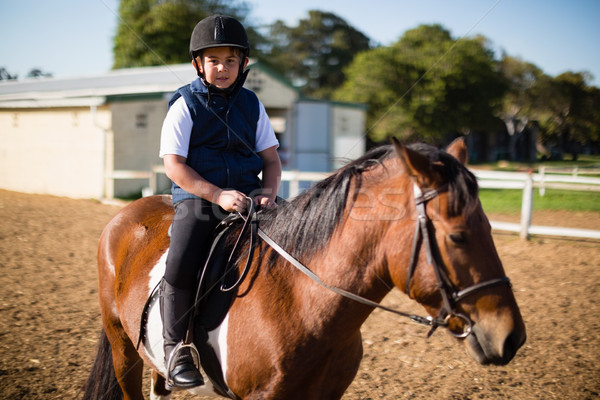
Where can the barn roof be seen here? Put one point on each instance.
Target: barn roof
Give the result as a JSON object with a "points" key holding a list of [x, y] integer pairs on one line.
{"points": [[94, 90]]}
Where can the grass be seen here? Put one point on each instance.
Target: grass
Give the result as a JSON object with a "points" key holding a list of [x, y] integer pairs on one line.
{"points": [[509, 201], [583, 162]]}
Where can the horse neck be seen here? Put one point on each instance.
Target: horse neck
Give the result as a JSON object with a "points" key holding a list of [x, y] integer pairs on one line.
{"points": [[356, 257]]}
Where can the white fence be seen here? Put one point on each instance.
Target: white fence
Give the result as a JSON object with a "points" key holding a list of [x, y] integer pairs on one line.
{"points": [[503, 180], [542, 180], [524, 181]]}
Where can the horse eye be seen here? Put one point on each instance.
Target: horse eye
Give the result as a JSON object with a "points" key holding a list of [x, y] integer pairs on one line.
{"points": [[457, 238]]}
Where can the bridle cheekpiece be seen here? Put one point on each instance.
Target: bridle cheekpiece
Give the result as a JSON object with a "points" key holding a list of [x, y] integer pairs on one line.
{"points": [[450, 295]]}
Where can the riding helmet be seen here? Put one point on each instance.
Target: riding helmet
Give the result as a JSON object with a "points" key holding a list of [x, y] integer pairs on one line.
{"points": [[218, 30]]}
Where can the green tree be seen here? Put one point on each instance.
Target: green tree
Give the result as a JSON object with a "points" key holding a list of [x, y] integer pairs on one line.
{"points": [[6, 76], [314, 53], [154, 32], [570, 112], [426, 85], [521, 104], [38, 73], [523, 92]]}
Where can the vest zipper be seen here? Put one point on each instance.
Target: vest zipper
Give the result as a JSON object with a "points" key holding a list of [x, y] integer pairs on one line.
{"points": [[227, 168]]}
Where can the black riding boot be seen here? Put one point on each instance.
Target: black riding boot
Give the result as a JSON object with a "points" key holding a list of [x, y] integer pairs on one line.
{"points": [[175, 311]]}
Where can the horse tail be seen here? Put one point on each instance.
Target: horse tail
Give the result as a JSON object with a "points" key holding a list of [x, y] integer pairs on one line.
{"points": [[102, 382]]}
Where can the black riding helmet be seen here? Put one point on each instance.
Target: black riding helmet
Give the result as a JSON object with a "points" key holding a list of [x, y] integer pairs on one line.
{"points": [[216, 31]]}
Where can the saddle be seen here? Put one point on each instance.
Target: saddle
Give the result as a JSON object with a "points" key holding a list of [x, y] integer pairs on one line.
{"points": [[218, 282]]}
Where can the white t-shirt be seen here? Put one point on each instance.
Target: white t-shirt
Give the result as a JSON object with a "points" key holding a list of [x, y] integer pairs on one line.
{"points": [[177, 129]]}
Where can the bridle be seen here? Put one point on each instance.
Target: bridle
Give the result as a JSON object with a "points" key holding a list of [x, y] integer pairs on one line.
{"points": [[451, 296]]}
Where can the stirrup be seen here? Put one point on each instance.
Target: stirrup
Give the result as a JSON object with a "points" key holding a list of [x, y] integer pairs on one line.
{"points": [[195, 357]]}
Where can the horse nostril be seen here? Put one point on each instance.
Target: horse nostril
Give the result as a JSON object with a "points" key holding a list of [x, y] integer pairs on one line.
{"points": [[512, 343]]}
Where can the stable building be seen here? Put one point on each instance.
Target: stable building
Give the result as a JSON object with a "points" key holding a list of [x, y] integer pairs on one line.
{"points": [[98, 136]]}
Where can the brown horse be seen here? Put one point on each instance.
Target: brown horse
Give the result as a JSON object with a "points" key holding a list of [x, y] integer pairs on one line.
{"points": [[288, 337]]}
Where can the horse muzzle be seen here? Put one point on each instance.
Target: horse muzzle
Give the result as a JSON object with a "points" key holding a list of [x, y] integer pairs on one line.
{"points": [[495, 345]]}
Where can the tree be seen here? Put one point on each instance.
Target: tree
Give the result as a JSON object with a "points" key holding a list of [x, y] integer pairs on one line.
{"points": [[38, 73], [6, 76], [426, 85], [154, 32], [314, 53], [521, 103], [570, 114]]}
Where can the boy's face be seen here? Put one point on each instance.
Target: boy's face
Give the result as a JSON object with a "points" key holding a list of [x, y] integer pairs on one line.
{"points": [[220, 66]]}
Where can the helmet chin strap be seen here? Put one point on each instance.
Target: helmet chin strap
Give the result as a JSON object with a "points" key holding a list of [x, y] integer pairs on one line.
{"points": [[197, 67]]}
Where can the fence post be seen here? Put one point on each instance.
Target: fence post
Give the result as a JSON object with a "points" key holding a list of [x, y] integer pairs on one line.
{"points": [[294, 184], [542, 177], [527, 206], [152, 184]]}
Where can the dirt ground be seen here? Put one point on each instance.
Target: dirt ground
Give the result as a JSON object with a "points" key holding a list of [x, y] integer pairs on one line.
{"points": [[49, 315]]}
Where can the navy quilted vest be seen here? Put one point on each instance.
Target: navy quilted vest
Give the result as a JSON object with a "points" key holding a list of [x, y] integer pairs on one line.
{"points": [[223, 138]]}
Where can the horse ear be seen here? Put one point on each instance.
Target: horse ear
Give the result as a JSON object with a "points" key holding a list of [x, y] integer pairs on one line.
{"points": [[458, 149], [415, 164]]}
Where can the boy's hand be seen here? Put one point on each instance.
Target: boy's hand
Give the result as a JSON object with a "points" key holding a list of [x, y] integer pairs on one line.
{"points": [[264, 202], [231, 200]]}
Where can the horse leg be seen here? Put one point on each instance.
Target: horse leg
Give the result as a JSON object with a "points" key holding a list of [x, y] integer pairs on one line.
{"points": [[127, 363], [102, 382], [158, 389], [343, 370]]}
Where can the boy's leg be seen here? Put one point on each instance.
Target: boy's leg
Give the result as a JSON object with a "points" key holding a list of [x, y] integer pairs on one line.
{"points": [[175, 310], [192, 228]]}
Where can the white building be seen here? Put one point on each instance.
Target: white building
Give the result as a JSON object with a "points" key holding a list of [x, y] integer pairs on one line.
{"points": [[98, 136]]}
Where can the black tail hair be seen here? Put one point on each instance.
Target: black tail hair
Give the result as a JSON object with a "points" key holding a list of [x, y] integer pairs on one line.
{"points": [[102, 382]]}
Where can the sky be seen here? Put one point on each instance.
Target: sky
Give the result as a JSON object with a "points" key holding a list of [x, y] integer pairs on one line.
{"points": [[71, 38]]}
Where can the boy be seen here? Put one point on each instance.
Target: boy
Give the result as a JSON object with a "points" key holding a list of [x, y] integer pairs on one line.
{"points": [[215, 140]]}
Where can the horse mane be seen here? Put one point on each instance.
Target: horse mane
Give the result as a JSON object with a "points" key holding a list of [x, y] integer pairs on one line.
{"points": [[305, 225]]}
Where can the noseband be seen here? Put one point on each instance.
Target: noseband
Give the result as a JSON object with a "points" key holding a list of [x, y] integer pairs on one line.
{"points": [[423, 234]]}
